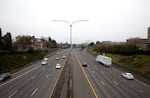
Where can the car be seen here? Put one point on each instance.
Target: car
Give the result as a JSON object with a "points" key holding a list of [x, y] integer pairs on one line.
{"points": [[58, 66], [63, 56], [46, 59], [128, 75], [44, 62], [84, 64], [4, 76], [57, 58]]}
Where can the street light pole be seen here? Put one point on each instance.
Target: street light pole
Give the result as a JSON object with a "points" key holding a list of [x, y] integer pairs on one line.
{"points": [[70, 24]]}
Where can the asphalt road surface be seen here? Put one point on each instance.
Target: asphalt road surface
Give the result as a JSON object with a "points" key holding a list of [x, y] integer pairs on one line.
{"points": [[107, 82], [35, 81], [93, 81]]}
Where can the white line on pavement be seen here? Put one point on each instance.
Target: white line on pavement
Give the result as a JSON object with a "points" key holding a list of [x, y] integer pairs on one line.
{"points": [[115, 83], [102, 82], [33, 77], [141, 91], [19, 76], [142, 82], [47, 76], [13, 94], [102, 72], [93, 71], [34, 92]]}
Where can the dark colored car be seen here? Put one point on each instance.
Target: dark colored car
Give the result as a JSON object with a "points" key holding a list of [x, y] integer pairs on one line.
{"points": [[4, 76], [84, 64]]}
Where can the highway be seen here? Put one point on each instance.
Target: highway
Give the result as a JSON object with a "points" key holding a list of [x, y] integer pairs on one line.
{"points": [[93, 81], [35, 81], [107, 82]]}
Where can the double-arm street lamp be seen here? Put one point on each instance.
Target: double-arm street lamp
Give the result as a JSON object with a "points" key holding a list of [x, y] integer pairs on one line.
{"points": [[70, 24]]}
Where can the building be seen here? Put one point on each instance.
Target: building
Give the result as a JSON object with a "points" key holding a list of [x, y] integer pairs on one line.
{"points": [[38, 44], [148, 40], [139, 42]]}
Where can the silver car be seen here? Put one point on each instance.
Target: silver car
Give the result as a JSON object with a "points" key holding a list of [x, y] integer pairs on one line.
{"points": [[44, 62], [58, 66], [4, 76], [128, 75], [45, 59]]}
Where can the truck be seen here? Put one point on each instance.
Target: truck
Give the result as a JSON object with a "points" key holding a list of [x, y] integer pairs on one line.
{"points": [[107, 61]]}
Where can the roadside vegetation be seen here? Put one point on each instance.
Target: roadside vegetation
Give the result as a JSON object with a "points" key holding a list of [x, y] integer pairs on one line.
{"points": [[129, 57], [22, 51], [15, 60], [136, 63]]}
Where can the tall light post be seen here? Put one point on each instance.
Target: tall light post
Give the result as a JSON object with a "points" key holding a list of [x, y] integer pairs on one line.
{"points": [[70, 24]]}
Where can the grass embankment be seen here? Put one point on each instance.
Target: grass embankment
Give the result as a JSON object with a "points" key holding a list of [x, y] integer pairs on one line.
{"points": [[10, 62], [137, 63]]}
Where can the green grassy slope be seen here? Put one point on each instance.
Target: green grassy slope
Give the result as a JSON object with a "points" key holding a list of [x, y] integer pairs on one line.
{"points": [[9, 62], [137, 63]]}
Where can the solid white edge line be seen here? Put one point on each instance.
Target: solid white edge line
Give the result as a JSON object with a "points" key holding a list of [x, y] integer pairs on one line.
{"points": [[19, 76], [142, 82]]}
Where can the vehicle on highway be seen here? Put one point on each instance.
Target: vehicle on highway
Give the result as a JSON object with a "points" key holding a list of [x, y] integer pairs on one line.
{"points": [[128, 75], [84, 64], [57, 58], [44, 62], [58, 66], [63, 56], [46, 59], [107, 61], [4, 76]]}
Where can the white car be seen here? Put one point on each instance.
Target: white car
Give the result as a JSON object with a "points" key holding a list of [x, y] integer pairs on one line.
{"points": [[46, 59], [58, 66], [128, 75], [44, 62], [63, 56], [57, 58]]}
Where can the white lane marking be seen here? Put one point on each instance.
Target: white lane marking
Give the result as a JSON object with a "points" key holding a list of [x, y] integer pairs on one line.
{"points": [[115, 83], [33, 77], [93, 71], [141, 91], [34, 92], [142, 83], [47, 76], [19, 76], [134, 79], [13, 94], [103, 83], [102, 72]]}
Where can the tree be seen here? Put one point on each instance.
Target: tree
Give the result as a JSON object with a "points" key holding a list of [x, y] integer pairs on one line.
{"points": [[24, 42], [6, 41], [97, 42], [54, 44], [0, 38], [91, 44], [49, 39]]}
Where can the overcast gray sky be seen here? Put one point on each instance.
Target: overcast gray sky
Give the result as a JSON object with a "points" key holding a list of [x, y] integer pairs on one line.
{"points": [[109, 20]]}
